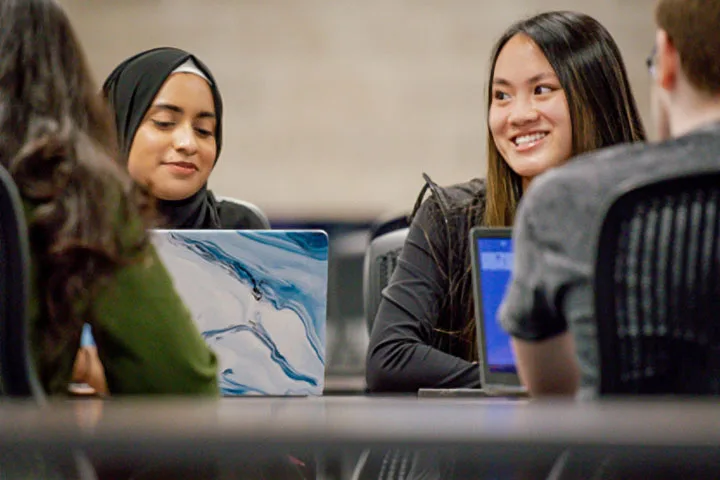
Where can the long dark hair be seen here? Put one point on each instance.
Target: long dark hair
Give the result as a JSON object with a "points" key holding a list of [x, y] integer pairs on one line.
{"points": [[57, 141], [590, 69], [603, 113]]}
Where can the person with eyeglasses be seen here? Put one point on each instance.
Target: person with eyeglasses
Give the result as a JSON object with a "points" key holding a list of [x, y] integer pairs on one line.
{"points": [[650, 61], [548, 308]]}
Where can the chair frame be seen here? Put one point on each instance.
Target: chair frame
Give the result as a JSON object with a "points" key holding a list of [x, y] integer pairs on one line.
{"points": [[372, 291], [19, 378]]}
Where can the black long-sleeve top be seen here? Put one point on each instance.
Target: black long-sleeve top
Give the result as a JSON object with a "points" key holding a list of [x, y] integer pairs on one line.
{"points": [[417, 340]]}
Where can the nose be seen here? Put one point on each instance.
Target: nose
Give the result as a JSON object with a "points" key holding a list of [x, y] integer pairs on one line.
{"points": [[523, 112], [184, 139]]}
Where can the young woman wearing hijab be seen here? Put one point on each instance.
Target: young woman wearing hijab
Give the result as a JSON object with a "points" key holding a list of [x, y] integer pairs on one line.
{"points": [[168, 116], [91, 260]]}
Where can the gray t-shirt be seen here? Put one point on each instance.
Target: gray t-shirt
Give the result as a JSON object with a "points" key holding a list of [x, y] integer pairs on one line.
{"points": [[556, 231]]}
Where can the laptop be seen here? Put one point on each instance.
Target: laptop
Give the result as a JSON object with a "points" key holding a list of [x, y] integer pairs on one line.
{"points": [[492, 261], [259, 298], [491, 264]]}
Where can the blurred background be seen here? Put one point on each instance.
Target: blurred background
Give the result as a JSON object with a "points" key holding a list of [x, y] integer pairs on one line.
{"points": [[334, 108]]}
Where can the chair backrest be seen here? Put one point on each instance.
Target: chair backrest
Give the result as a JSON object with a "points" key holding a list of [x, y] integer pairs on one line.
{"points": [[262, 218], [657, 288], [388, 224], [380, 262], [17, 372], [18, 377]]}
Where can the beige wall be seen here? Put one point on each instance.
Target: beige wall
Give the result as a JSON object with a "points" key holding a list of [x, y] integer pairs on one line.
{"points": [[335, 107]]}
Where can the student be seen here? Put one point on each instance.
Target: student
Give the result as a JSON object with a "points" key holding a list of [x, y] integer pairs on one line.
{"points": [[168, 115], [557, 88], [554, 258], [90, 256]]}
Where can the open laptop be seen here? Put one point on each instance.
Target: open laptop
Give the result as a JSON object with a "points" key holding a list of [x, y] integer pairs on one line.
{"points": [[259, 298], [492, 261]]}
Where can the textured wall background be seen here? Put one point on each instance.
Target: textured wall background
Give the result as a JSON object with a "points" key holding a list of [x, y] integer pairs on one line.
{"points": [[335, 107]]}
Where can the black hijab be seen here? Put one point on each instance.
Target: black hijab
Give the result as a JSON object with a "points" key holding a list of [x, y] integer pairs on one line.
{"points": [[131, 89]]}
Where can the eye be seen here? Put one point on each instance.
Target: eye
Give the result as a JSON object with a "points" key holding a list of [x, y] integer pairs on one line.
{"points": [[163, 125], [500, 95], [203, 132], [544, 89]]}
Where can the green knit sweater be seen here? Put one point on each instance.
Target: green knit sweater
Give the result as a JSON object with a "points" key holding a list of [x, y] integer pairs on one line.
{"points": [[145, 336]]}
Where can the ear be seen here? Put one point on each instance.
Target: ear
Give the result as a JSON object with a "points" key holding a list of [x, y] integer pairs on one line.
{"points": [[667, 63]]}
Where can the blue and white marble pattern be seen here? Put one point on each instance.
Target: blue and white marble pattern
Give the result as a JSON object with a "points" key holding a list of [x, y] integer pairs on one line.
{"points": [[259, 299]]}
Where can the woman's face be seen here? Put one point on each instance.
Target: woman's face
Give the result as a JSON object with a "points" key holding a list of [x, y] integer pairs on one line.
{"points": [[174, 148], [529, 116]]}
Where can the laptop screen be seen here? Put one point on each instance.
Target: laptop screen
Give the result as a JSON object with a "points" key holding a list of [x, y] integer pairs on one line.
{"points": [[496, 259]]}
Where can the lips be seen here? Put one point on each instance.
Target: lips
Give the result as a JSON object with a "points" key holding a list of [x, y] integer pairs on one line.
{"points": [[183, 165]]}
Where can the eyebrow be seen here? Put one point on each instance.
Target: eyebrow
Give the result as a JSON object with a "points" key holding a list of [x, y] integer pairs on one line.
{"points": [[533, 79], [176, 109]]}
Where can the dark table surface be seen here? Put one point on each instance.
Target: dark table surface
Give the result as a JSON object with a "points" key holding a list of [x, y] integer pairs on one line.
{"points": [[469, 437]]}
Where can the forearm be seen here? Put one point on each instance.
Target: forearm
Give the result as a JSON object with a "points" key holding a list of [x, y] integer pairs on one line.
{"points": [[548, 367], [406, 367]]}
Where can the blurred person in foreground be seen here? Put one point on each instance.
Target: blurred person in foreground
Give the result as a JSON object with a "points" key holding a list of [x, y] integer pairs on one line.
{"points": [[548, 309], [91, 261]]}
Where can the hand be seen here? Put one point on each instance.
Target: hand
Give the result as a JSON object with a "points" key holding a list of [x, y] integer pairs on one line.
{"points": [[88, 369]]}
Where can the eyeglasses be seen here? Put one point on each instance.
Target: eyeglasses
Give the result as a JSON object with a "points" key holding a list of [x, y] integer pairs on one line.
{"points": [[650, 61]]}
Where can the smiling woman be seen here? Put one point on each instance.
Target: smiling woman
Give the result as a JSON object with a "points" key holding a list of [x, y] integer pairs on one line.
{"points": [[529, 117], [168, 114], [557, 88], [174, 148]]}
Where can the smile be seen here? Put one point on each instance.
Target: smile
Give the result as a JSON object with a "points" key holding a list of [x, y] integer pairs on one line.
{"points": [[528, 141], [182, 167], [531, 138]]}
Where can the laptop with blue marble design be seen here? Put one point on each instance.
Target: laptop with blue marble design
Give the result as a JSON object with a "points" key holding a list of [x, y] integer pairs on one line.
{"points": [[259, 298]]}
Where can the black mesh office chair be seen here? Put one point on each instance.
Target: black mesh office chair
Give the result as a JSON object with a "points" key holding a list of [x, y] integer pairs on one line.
{"points": [[389, 223], [380, 262], [657, 288], [657, 297], [18, 377], [17, 371]]}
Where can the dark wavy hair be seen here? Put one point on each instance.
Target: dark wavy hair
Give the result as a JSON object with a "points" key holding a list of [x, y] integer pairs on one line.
{"points": [[58, 142]]}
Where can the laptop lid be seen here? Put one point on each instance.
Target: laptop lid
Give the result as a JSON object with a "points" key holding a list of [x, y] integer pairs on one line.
{"points": [[259, 298], [491, 250]]}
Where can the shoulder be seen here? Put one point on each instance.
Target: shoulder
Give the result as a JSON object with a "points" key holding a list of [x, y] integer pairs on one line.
{"points": [[591, 178], [238, 215], [453, 200], [563, 208], [583, 179], [463, 195], [444, 215]]}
